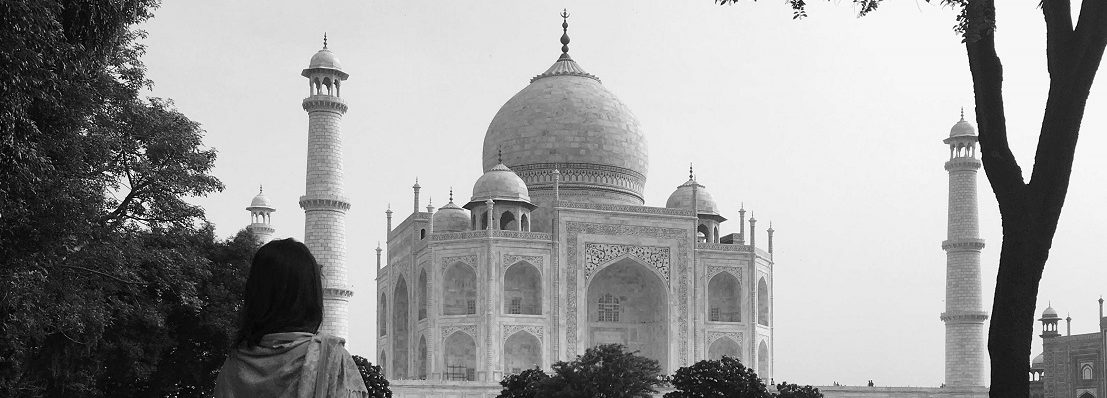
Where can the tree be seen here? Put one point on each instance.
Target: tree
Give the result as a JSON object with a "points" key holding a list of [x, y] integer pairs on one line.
{"points": [[110, 282], [723, 378], [373, 377], [1029, 209], [603, 371], [524, 384], [786, 390]]}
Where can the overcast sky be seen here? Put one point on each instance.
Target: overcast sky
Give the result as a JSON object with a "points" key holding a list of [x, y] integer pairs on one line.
{"points": [[829, 127]]}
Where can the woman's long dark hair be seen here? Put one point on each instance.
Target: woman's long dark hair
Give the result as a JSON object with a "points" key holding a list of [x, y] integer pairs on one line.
{"points": [[284, 292]]}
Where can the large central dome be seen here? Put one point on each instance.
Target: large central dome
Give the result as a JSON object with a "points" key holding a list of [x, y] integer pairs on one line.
{"points": [[567, 120]]}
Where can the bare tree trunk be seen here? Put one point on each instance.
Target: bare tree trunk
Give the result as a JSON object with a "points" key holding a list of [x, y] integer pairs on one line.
{"points": [[1029, 211]]}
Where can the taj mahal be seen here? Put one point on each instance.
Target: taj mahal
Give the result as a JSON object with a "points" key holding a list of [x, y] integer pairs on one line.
{"points": [[555, 250]]}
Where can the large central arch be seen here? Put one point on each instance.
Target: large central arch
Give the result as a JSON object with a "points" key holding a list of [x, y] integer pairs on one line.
{"points": [[628, 304]]}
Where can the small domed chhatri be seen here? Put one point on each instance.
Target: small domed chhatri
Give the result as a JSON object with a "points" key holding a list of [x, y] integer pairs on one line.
{"points": [[450, 218], [681, 198], [500, 183], [261, 201], [962, 127], [325, 59]]}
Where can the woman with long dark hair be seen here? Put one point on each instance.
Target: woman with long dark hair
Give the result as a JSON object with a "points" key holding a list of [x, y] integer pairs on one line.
{"points": [[278, 351]]}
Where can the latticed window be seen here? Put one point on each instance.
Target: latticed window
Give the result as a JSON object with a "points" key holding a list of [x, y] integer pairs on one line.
{"points": [[471, 306], [715, 314], [516, 306], [608, 308]]}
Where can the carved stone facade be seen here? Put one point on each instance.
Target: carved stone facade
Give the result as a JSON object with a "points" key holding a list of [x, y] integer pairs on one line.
{"points": [[589, 265]]}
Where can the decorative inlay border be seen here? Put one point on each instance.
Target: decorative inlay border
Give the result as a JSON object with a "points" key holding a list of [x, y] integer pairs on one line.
{"points": [[715, 335], [625, 208], [680, 236], [598, 255], [511, 259], [713, 270], [485, 233], [724, 247], [448, 330], [509, 330], [470, 260]]}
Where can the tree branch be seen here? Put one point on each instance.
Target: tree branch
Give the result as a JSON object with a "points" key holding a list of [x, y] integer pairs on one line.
{"points": [[1069, 86], [1090, 22], [1004, 173], [1058, 19], [103, 274]]}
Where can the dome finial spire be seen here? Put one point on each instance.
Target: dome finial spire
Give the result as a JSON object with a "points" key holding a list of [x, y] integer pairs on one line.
{"points": [[565, 31], [500, 154], [962, 113], [691, 176], [451, 194], [261, 188], [324, 39]]}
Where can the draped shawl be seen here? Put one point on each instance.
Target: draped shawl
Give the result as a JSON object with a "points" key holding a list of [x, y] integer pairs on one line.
{"points": [[292, 365]]}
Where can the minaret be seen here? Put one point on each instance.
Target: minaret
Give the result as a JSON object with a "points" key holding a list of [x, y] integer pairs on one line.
{"points": [[324, 202], [964, 317], [260, 227]]}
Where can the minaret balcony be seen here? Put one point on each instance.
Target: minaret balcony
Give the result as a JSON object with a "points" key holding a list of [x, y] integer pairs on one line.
{"points": [[325, 202], [963, 163], [964, 316], [332, 291], [325, 103], [964, 244]]}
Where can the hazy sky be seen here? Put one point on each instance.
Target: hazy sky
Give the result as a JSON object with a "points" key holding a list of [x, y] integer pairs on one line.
{"points": [[829, 127]]}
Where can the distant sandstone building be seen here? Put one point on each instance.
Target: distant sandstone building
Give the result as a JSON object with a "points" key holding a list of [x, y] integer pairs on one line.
{"points": [[555, 252], [1069, 365]]}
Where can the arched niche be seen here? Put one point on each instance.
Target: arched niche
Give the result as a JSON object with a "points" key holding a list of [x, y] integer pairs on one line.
{"points": [[522, 351], [460, 290], [399, 325], [384, 365], [762, 302], [724, 346], [524, 222], [724, 298], [382, 316], [421, 295], [522, 289], [507, 221], [763, 360], [628, 304], [460, 357], [421, 359]]}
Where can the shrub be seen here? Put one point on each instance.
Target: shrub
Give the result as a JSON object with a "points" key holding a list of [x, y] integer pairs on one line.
{"points": [[606, 371], [524, 384], [785, 390], [724, 378], [374, 378]]}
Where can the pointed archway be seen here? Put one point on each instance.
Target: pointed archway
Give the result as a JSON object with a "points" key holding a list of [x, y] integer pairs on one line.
{"points": [[628, 304]]}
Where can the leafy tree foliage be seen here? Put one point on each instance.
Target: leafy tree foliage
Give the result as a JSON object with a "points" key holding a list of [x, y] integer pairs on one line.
{"points": [[373, 377], [1029, 210], [786, 390], [603, 371], [110, 282], [524, 384], [724, 378]]}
